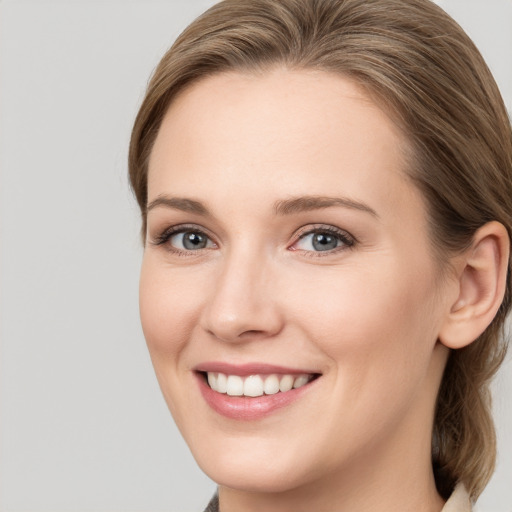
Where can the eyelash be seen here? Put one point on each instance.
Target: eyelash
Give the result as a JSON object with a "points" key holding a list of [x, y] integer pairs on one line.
{"points": [[347, 241]]}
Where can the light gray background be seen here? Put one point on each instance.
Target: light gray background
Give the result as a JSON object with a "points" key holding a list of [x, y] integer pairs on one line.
{"points": [[83, 425]]}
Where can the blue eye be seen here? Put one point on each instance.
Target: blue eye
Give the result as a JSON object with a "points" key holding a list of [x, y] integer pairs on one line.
{"points": [[190, 241], [323, 240]]}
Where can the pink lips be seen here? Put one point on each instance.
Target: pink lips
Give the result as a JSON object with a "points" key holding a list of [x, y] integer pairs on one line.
{"points": [[242, 407]]}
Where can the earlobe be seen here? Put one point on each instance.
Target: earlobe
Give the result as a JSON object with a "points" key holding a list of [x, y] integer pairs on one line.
{"points": [[482, 283]]}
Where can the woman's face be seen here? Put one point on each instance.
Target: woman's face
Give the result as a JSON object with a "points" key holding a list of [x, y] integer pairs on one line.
{"points": [[286, 247]]}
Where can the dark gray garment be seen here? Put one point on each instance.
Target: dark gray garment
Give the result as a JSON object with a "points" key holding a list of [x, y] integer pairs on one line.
{"points": [[213, 506]]}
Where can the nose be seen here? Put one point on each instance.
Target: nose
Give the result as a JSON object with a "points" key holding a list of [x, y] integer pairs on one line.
{"points": [[242, 304]]}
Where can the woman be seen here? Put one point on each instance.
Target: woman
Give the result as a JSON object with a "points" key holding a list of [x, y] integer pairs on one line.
{"points": [[325, 194]]}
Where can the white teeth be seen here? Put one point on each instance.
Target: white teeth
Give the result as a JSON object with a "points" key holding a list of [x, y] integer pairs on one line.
{"points": [[222, 383], [235, 386], [255, 385], [271, 385], [300, 381], [212, 380], [286, 383]]}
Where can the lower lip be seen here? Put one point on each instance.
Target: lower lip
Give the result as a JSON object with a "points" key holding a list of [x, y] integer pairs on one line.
{"points": [[249, 408]]}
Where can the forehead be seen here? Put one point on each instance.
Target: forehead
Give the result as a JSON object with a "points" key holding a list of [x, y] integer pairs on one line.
{"points": [[287, 130]]}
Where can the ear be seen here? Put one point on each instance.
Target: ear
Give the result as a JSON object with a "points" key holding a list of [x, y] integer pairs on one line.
{"points": [[482, 279]]}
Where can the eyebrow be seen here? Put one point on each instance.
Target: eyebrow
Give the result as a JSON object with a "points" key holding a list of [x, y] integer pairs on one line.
{"points": [[282, 207], [308, 203], [179, 203]]}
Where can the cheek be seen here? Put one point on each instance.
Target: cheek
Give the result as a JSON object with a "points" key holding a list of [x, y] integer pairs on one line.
{"points": [[377, 329], [374, 323], [168, 309], [169, 304]]}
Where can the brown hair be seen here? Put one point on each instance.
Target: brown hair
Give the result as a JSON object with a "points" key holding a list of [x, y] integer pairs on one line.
{"points": [[423, 68]]}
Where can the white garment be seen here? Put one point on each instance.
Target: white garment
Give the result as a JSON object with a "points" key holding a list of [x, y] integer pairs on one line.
{"points": [[459, 501]]}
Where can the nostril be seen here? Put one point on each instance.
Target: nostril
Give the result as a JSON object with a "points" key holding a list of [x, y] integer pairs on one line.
{"points": [[252, 333], [231, 334]]}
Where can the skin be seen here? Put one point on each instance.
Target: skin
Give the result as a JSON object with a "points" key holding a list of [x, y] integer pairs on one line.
{"points": [[366, 316]]}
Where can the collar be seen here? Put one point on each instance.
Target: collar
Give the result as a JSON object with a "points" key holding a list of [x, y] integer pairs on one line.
{"points": [[459, 501]]}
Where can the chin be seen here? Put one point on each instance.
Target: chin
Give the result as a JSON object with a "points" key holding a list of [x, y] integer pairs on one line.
{"points": [[253, 472], [251, 479]]}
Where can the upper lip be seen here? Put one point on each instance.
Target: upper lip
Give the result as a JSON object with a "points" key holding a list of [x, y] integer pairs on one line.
{"points": [[246, 369]]}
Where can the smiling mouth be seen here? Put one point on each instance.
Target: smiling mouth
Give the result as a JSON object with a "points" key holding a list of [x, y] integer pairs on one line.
{"points": [[256, 385]]}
